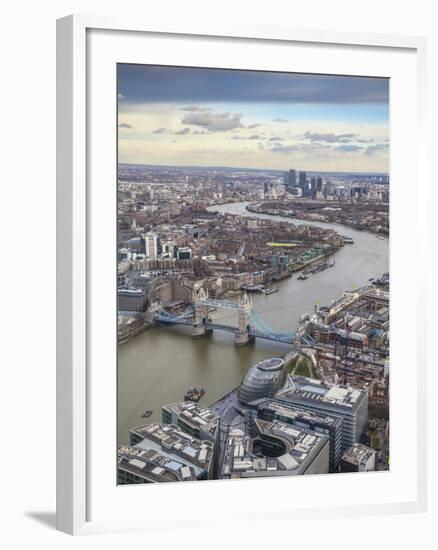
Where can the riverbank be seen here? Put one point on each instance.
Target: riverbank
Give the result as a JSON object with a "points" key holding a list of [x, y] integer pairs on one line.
{"points": [[249, 207], [149, 376]]}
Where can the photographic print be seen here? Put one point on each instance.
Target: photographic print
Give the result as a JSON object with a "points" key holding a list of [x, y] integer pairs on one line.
{"points": [[252, 274]]}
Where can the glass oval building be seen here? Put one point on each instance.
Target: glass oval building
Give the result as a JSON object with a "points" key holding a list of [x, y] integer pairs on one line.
{"points": [[264, 379]]}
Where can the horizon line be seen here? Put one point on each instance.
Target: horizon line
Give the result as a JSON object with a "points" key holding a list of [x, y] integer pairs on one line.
{"points": [[250, 169]]}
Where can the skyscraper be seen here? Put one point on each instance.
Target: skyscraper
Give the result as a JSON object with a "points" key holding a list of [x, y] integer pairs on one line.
{"points": [[302, 181], [151, 245], [292, 179]]}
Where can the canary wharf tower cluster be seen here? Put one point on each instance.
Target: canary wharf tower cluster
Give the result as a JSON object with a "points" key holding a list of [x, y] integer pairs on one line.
{"points": [[253, 279]]}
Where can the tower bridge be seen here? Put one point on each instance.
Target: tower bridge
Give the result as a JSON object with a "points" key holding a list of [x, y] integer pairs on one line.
{"points": [[249, 324]]}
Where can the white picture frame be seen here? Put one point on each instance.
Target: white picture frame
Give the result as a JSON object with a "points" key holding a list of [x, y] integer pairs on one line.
{"points": [[75, 212]]}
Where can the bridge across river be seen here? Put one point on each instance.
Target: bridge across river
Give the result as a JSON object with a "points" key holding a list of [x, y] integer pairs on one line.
{"points": [[249, 325]]}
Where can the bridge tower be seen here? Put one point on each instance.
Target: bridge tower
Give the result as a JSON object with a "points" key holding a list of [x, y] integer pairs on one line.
{"points": [[201, 312], [245, 308], [296, 341], [154, 308]]}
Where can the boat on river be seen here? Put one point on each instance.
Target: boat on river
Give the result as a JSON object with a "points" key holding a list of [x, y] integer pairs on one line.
{"points": [[194, 394], [271, 290]]}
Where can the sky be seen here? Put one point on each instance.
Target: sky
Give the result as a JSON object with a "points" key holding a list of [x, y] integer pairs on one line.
{"points": [[252, 119]]}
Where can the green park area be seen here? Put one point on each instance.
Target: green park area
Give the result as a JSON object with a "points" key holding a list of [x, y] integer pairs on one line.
{"points": [[282, 245], [299, 366]]}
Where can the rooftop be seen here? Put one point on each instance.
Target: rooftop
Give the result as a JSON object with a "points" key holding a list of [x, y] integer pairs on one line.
{"points": [[358, 454], [195, 414], [273, 363], [246, 456], [131, 291], [172, 440], [312, 390], [152, 466], [289, 411]]}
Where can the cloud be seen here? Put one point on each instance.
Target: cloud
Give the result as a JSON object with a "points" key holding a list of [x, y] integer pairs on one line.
{"points": [[183, 132], [376, 149], [125, 125], [285, 149], [253, 136], [160, 131], [280, 120], [324, 148], [348, 148], [195, 87], [196, 109], [120, 96], [251, 126], [329, 138], [276, 138], [214, 122], [302, 148]]}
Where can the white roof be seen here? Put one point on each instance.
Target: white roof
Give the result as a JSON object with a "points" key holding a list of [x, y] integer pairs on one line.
{"points": [[336, 393], [137, 463], [288, 462]]}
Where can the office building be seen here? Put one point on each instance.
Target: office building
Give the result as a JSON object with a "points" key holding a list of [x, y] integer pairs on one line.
{"points": [[286, 179], [302, 181], [169, 248], [358, 458], [291, 179], [131, 299], [123, 268], [151, 245], [160, 453], [180, 446], [193, 418], [139, 466], [184, 253], [314, 395], [275, 449], [330, 426]]}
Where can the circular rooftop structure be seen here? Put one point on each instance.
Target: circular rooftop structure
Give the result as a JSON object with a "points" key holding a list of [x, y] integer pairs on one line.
{"points": [[264, 379]]}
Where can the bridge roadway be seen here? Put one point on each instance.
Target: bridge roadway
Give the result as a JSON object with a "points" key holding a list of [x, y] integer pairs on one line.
{"points": [[167, 319]]}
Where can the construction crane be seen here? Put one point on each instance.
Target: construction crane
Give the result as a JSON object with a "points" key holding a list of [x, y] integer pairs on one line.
{"points": [[335, 349], [347, 332], [337, 341]]}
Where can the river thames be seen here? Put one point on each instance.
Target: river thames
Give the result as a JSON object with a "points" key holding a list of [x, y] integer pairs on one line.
{"points": [[160, 364]]}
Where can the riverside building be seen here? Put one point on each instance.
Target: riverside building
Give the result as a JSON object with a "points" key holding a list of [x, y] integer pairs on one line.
{"points": [[316, 396], [164, 453], [136, 465], [276, 449], [264, 379], [330, 426], [193, 418]]}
